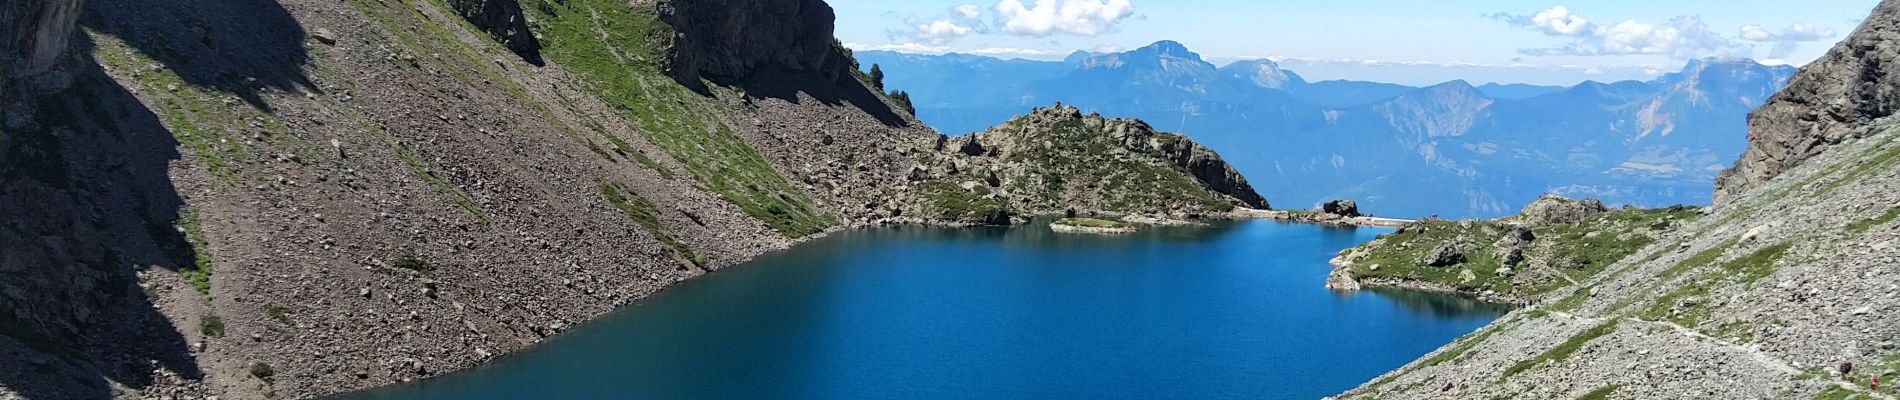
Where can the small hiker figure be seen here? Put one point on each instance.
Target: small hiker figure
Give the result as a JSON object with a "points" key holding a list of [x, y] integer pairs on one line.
{"points": [[1847, 368], [1873, 382]]}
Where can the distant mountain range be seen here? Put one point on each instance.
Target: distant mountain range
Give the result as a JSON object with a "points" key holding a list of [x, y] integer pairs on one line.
{"points": [[1451, 149]]}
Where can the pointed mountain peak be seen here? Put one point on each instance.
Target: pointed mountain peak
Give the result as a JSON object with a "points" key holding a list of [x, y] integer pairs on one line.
{"points": [[1455, 87]]}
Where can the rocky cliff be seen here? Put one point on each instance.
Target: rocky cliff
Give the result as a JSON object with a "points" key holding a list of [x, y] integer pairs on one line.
{"points": [[1834, 99], [732, 40], [1766, 296], [289, 199]]}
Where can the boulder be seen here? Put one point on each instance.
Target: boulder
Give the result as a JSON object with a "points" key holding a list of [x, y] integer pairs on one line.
{"points": [[1558, 210], [503, 20], [972, 148], [1444, 256], [1343, 208]]}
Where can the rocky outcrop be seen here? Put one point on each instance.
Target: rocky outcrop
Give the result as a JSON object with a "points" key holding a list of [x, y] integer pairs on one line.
{"points": [[1056, 160], [504, 21], [1552, 209], [1209, 168], [1833, 99], [1343, 208], [730, 40]]}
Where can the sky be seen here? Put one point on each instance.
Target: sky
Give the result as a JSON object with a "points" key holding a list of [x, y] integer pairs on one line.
{"points": [[1401, 41]]}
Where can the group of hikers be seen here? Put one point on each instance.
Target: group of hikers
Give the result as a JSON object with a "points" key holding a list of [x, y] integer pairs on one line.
{"points": [[1847, 371]]}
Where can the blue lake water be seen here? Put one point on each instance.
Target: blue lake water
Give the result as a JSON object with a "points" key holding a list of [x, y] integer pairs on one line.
{"points": [[1232, 311]]}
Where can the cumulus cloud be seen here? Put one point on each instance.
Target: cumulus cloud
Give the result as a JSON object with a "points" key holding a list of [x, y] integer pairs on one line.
{"points": [[1798, 32], [1788, 39], [1052, 17], [957, 22], [1681, 37]]}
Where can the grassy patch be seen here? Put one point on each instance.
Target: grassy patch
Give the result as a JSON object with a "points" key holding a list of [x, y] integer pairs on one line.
{"points": [[1861, 227], [644, 213], [278, 313], [1760, 264], [1701, 259], [615, 48], [263, 372], [1839, 393], [1689, 304], [1563, 350], [954, 203], [198, 273], [1092, 223], [1602, 393], [211, 325]]}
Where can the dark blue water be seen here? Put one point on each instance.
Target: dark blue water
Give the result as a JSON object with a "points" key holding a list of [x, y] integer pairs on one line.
{"points": [[1226, 312]]}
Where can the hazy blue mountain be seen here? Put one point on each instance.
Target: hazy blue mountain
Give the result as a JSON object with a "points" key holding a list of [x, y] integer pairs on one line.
{"points": [[1451, 149], [1516, 91]]}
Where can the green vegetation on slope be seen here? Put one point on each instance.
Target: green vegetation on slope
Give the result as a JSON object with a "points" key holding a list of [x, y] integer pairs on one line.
{"points": [[612, 46], [1602, 393], [1577, 251], [1073, 157], [954, 203], [643, 212], [198, 274], [1688, 305], [1563, 350]]}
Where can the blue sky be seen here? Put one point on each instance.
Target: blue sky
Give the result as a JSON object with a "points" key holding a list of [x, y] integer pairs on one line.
{"points": [[1403, 41]]}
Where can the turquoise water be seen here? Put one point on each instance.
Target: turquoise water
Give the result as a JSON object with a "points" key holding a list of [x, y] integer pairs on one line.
{"points": [[1231, 311]]}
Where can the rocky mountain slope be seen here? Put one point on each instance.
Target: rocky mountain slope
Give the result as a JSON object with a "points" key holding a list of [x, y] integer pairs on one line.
{"points": [[1766, 296], [287, 199], [1452, 149], [1836, 98]]}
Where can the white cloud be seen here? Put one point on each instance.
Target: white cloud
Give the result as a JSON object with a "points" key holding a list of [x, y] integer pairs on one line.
{"points": [[1559, 21], [940, 31], [1052, 17], [1681, 37], [1756, 33], [957, 22], [1790, 38], [969, 11], [921, 48], [1798, 32]]}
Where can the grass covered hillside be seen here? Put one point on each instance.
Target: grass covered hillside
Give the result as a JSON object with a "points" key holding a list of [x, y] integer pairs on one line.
{"points": [[1514, 259]]}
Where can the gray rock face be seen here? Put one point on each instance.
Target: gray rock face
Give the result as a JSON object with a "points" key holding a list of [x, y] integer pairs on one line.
{"points": [[1343, 208], [1556, 210], [35, 35], [1831, 100], [729, 40], [503, 20]]}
